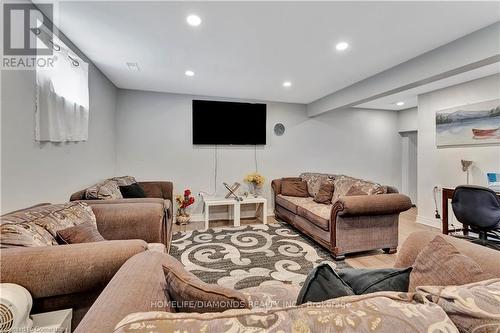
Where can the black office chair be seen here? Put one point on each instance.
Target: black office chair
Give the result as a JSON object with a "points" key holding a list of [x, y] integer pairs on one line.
{"points": [[479, 208]]}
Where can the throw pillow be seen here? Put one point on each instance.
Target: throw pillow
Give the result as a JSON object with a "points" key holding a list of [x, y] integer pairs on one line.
{"points": [[132, 191], [441, 264], [82, 233], [294, 188], [355, 190], [473, 307], [376, 313], [38, 226], [314, 181], [190, 294], [124, 180], [344, 183], [107, 189], [365, 281], [325, 193], [321, 284]]}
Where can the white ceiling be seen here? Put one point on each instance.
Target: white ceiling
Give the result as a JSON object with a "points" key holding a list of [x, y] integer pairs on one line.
{"points": [[246, 50], [409, 97]]}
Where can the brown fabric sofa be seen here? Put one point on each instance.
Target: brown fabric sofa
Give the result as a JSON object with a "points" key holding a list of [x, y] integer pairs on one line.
{"points": [[72, 276], [350, 223], [139, 285], [157, 192]]}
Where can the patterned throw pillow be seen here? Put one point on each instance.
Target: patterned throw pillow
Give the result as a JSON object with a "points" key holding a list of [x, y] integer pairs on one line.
{"points": [[384, 312], [124, 180], [38, 226], [314, 181], [107, 189], [473, 307], [343, 185]]}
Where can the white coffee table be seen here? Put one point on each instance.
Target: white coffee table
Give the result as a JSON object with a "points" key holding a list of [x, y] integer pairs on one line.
{"points": [[234, 208]]}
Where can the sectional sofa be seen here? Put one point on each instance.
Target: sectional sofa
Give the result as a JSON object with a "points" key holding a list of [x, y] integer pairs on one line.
{"points": [[366, 220]]}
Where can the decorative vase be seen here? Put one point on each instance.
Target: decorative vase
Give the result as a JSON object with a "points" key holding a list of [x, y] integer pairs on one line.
{"points": [[182, 216], [254, 189]]}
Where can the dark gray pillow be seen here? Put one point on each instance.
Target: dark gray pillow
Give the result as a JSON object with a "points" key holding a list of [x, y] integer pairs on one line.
{"points": [[322, 284], [365, 281], [132, 191]]}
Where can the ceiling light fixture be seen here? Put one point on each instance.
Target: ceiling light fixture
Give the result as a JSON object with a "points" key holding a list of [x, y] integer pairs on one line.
{"points": [[287, 84], [189, 73], [400, 103], [193, 20], [342, 46]]}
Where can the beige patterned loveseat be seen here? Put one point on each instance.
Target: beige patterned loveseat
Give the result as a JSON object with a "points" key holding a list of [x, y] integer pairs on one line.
{"points": [[73, 275], [367, 220]]}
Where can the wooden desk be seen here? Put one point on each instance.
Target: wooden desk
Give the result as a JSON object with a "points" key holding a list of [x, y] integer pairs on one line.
{"points": [[447, 194]]}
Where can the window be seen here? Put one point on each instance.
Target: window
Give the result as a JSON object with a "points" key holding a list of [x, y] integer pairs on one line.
{"points": [[62, 95]]}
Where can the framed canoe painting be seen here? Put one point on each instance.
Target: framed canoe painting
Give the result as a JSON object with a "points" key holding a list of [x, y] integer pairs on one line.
{"points": [[471, 124]]}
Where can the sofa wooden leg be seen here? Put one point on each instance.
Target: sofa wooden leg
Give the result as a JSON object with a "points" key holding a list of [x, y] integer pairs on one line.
{"points": [[390, 250], [338, 257]]}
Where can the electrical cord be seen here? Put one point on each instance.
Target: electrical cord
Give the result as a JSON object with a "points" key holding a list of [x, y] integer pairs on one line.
{"points": [[255, 159], [216, 167], [216, 170]]}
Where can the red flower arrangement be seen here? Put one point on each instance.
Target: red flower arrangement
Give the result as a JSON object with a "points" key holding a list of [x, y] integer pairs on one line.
{"points": [[184, 201]]}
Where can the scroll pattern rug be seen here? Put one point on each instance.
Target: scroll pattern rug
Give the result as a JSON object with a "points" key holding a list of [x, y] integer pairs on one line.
{"points": [[250, 255]]}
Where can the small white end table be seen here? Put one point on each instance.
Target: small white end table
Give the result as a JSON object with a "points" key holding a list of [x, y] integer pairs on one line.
{"points": [[234, 208]]}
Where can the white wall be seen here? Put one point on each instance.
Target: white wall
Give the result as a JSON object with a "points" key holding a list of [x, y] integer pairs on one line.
{"points": [[408, 120], [32, 172], [409, 164], [407, 128], [154, 143], [442, 166]]}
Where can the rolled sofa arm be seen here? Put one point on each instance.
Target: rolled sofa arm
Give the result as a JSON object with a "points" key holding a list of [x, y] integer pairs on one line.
{"points": [[138, 220], [66, 269], [379, 204]]}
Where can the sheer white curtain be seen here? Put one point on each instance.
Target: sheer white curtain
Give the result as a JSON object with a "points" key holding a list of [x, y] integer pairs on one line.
{"points": [[62, 96]]}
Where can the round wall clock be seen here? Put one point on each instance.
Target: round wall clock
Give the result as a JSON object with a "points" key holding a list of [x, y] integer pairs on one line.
{"points": [[279, 129]]}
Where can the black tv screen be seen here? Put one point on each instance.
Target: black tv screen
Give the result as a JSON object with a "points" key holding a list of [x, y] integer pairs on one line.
{"points": [[228, 123]]}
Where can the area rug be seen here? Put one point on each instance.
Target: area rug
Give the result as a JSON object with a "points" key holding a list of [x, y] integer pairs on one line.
{"points": [[250, 255]]}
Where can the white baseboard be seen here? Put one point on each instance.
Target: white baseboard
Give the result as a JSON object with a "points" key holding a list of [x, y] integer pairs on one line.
{"points": [[221, 216], [431, 222]]}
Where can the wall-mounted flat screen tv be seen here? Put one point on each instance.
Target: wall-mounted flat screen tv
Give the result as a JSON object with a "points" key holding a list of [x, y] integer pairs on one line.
{"points": [[228, 123]]}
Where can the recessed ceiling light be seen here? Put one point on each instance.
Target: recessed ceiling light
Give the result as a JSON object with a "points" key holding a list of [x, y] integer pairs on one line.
{"points": [[189, 73], [287, 84], [193, 20], [341, 46], [400, 103]]}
